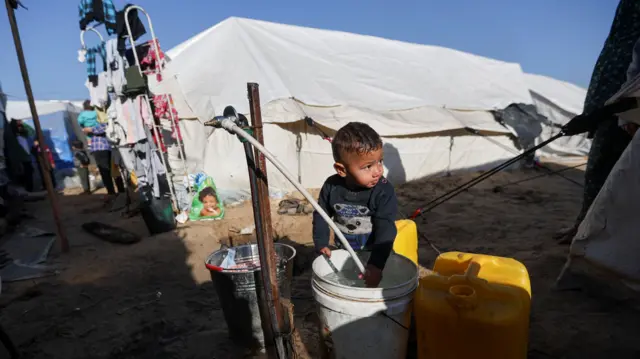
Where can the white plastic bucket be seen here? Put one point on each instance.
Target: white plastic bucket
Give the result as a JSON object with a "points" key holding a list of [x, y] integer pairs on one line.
{"points": [[365, 323]]}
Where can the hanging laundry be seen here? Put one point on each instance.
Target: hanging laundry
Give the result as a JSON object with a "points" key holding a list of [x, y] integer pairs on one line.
{"points": [[98, 90], [150, 63], [145, 112], [115, 68], [137, 28], [142, 159], [101, 11], [136, 115], [164, 111], [92, 70]]}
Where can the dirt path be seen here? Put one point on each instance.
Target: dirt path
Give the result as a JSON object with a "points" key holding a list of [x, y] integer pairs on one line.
{"points": [[155, 299]]}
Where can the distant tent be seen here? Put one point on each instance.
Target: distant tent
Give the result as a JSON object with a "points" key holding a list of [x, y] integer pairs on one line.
{"points": [[59, 126]]}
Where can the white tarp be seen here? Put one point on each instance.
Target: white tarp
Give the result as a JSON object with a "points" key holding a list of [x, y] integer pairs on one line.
{"points": [[559, 102], [327, 68], [416, 148], [20, 110]]}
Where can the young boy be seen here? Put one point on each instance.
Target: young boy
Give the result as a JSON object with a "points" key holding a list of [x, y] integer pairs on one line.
{"points": [[81, 161], [359, 199], [88, 117]]}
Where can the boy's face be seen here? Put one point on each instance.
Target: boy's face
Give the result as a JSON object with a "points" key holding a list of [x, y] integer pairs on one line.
{"points": [[362, 170]]}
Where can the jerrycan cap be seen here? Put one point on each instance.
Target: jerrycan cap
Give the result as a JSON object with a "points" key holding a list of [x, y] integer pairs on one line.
{"points": [[464, 296]]}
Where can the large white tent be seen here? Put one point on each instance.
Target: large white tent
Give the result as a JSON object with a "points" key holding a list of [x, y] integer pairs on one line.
{"points": [[559, 102], [419, 98]]}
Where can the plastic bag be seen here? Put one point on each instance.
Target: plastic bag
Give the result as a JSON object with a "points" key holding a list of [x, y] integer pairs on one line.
{"points": [[207, 204]]}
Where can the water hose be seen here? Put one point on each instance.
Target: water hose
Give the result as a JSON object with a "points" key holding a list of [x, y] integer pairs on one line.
{"points": [[228, 124]]}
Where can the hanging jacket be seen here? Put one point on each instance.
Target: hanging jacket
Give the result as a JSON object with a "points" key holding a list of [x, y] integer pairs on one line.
{"points": [[101, 11], [137, 28]]}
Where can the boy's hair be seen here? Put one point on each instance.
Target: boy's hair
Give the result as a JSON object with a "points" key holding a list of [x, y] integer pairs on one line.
{"points": [[77, 144], [207, 191], [87, 105], [355, 137]]}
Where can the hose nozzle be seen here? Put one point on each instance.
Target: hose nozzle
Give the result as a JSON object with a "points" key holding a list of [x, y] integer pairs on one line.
{"points": [[229, 115]]}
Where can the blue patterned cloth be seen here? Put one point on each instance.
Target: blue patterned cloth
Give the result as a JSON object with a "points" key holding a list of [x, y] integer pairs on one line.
{"points": [[89, 11], [99, 141], [101, 50]]}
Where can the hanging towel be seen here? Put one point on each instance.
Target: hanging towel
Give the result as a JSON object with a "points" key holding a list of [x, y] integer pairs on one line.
{"points": [[115, 68], [101, 11]]}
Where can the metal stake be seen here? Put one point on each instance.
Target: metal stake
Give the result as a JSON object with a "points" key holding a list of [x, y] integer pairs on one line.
{"points": [[62, 237], [264, 230]]}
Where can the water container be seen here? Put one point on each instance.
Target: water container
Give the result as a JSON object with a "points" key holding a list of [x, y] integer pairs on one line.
{"points": [[473, 306], [406, 243], [239, 289], [364, 323]]}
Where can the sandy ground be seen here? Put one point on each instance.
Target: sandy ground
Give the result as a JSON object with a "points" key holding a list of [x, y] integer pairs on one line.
{"points": [[154, 299]]}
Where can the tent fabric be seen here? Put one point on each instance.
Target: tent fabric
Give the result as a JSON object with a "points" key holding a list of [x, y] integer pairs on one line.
{"points": [[558, 102], [58, 133], [566, 96], [415, 121], [327, 68], [608, 236], [20, 109], [410, 154]]}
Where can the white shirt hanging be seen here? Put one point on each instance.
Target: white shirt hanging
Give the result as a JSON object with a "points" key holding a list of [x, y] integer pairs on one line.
{"points": [[98, 94]]}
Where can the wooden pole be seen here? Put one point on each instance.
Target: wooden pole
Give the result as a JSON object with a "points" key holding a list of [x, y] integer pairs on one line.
{"points": [[268, 260], [62, 237]]}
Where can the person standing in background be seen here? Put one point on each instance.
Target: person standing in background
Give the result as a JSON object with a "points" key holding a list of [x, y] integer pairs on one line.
{"points": [[49, 163], [99, 146], [609, 74], [101, 150], [81, 161], [22, 136]]}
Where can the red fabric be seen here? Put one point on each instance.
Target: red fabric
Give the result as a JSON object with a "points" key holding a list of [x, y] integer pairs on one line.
{"points": [[160, 102], [49, 154]]}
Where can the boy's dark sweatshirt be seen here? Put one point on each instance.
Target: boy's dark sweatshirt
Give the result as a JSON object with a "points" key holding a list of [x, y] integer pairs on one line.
{"points": [[362, 215]]}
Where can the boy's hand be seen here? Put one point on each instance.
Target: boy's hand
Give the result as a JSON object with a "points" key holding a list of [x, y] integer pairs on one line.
{"points": [[372, 276], [326, 251]]}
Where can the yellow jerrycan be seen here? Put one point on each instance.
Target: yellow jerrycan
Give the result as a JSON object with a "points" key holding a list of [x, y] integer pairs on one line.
{"points": [[406, 243], [473, 306]]}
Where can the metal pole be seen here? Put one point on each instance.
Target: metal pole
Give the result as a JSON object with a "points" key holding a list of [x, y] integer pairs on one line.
{"points": [[64, 243], [267, 253]]}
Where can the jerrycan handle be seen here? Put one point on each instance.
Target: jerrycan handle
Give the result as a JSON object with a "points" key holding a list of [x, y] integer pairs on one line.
{"points": [[464, 296]]}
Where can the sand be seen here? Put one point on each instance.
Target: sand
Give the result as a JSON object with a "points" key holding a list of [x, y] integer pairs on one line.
{"points": [[155, 299]]}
